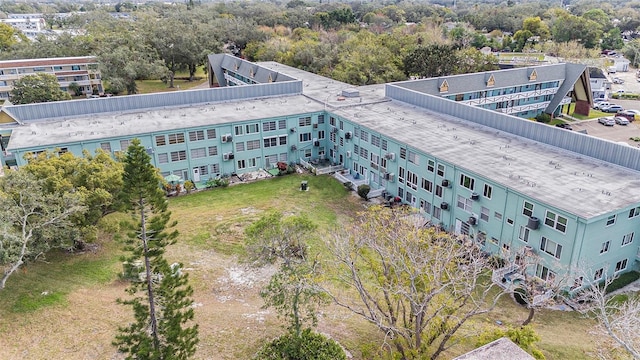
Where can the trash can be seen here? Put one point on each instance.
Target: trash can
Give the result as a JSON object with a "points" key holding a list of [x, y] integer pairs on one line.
{"points": [[303, 186]]}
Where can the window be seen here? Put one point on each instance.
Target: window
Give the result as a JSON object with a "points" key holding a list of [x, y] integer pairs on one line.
{"points": [[305, 137], [240, 146], [605, 247], [481, 238], [412, 180], [332, 121], [75, 67], [427, 185], [437, 212], [253, 144], [269, 142], [196, 135], [269, 126], [524, 234], [320, 119], [239, 130], [124, 144], [621, 265], [497, 215], [464, 204], [105, 146], [401, 175], [467, 182], [178, 155], [493, 240], [204, 170], [555, 221], [282, 140], [375, 140], [364, 136], [198, 153], [282, 124], [304, 121], [634, 212], [544, 273], [577, 283], [213, 150], [484, 214], [527, 209], [510, 221], [551, 247], [598, 274], [413, 158], [211, 133], [321, 135], [627, 239], [431, 165], [611, 220], [425, 206], [487, 191], [440, 171], [177, 138], [161, 140], [252, 129], [384, 145], [242, 164], [403, 153], [438, 191], [215, 168], [163, 158]]}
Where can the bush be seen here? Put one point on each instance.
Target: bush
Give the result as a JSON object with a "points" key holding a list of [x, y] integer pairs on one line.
{"points": [[543, 118], [222, 182], [309, 346], [520, 295], [363, 191], [623, 280], [189, 185]]}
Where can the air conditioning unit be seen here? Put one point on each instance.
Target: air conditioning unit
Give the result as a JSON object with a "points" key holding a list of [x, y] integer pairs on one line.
{"points": [[316, 143], [475, 196], [226, 138], [473, 220], [383, 169], [533, 223], [348, 135], [227, 156], [390, 156], [348, 154], [444, 206], [446, 183], [292, 129], [294, 148], [334, 130], [315, 126], [390, 176]]}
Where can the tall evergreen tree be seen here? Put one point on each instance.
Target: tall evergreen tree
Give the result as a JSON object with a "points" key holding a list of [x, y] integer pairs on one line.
{"points": [[161, 299]]}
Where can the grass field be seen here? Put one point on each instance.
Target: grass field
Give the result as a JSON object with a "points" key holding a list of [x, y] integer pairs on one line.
{"points": [[65, 308], [155, 86]]}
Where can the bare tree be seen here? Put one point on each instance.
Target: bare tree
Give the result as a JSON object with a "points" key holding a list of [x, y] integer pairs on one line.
{"points": [[619, 319], [417, 285]]}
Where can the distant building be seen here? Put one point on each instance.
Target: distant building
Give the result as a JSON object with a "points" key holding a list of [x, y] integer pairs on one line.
{"points": [[80, 70], [599, 83]]}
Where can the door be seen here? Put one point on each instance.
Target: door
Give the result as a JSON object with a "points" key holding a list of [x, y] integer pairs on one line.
{"points": [[458, 227], [196, 174]]}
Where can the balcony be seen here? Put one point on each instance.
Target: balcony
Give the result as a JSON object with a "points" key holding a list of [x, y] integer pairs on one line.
{"points": [[346, 177], [321, 166]]}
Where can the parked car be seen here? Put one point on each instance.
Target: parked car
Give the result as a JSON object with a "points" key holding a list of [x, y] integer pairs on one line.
{"points": [[601, 104], [613, 109], [627, 114], [599, 100], [606, 121], [617, 80], [620, 120], [633, 111], [564, 126]]}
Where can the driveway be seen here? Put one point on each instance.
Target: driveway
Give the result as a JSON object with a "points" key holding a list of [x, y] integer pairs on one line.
{"points": [[616, 133]]}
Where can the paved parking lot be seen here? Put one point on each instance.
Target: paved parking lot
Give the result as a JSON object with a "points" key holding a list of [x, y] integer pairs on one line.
{"points": [[617, 133]]}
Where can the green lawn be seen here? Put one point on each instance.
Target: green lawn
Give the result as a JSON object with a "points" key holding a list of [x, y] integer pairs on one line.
{"points": [[154, 86], [593, 114], [72, 296]]}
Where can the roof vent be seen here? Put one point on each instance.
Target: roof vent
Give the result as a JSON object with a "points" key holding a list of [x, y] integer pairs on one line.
{"points": [[349, 93]]}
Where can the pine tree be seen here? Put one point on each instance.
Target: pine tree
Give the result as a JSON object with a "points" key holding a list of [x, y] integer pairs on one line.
{"points": [[161, 299]]}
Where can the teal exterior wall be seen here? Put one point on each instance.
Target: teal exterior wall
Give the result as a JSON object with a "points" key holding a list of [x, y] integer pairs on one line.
{"points": [[414, 176]]}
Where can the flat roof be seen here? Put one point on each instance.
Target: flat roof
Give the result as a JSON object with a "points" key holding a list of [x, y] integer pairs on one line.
{"points": [[501, 349], [562, 179], [4, 64]]}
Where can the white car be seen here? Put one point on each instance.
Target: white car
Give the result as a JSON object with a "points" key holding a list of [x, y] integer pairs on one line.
{"points": [[621, 121], [606, 121], [601, 104]]}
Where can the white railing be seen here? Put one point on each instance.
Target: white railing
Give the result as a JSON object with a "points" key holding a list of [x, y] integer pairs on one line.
{"points": [[499, 274], [329, 169], [348, 178], [542, 298], [375, 193], [512, 96]]}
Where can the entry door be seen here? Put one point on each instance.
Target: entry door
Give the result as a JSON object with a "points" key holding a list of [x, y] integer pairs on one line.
{"points": [[196, 174], [458, 228]]}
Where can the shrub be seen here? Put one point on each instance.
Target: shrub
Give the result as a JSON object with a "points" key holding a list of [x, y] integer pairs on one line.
{"points": [[520, 295], [363, 191], [623, 280], [309, 346], [189, 185], [543, 118]]}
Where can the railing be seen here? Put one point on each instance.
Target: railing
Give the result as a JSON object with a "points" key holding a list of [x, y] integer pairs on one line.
{"points": [[329, 169], [375, 193], [542, 298], [499, 274], [347, 178]]}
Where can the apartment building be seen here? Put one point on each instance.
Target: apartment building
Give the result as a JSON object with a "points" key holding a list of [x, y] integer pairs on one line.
{"points": [[506, 182], [80, 70]]}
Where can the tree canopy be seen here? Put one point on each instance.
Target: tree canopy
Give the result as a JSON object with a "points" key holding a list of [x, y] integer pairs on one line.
{"points": [[37, 88]]}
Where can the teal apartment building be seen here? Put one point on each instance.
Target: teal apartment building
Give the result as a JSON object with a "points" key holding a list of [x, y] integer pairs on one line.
{"points": [[506, 182]]}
